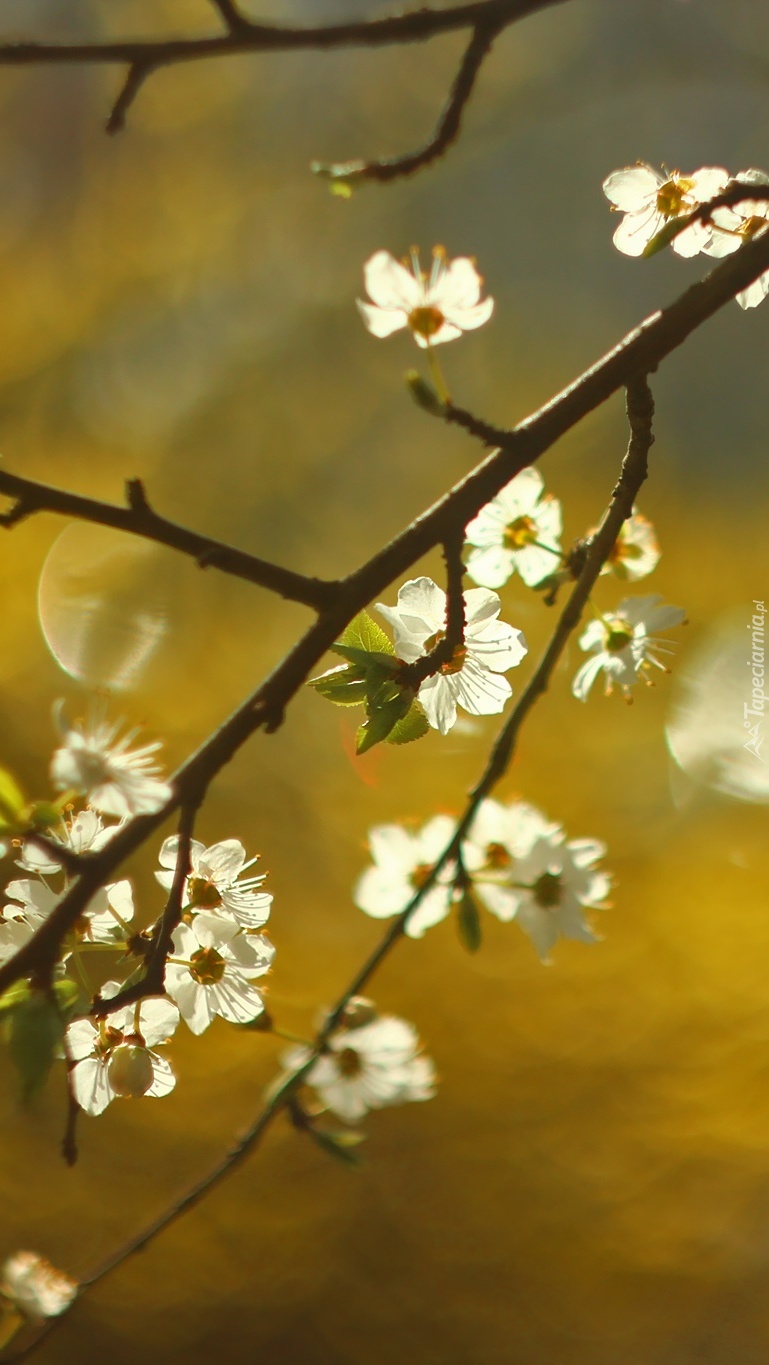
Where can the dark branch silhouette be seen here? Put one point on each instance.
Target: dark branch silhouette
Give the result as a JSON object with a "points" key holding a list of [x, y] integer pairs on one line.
{"points": [[639, 353]]}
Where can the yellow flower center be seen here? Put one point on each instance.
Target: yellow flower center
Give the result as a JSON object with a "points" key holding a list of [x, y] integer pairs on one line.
{"points": [[547, 890], [497, 856], [618, 637], [419, 875], [671, 197], [349, 1062], [426, 321], [519, 533], [751, 227], [207, 966], [203, 893]]}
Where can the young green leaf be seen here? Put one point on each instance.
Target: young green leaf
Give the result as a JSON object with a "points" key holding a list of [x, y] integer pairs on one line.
{"points": [[412, 726], [12, 800], [345, 685], [34, 1030], [381, 720], [364, 633], [368, 658]]}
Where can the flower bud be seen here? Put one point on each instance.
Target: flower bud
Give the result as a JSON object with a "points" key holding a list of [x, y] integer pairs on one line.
{"points": [[130, 1070]]}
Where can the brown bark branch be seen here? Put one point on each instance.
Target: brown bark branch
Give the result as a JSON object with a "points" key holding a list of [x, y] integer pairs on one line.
{"points": [[638, 353], [139, 518]]}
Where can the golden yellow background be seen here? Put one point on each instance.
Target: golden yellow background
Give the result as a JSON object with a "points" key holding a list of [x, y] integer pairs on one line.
{"points": [[591, 1186]]}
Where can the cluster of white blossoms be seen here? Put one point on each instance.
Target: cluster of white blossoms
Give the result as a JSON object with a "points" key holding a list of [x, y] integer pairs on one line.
{"points": [[649, 200], [106, 919], [521, 865], [472, 678], [217, 950], [371, 1061], [31, 1286]]}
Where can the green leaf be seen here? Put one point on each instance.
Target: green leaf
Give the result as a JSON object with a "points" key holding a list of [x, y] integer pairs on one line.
{"points": [[414, 725], [364, 633], [345, 685], [469, 922], [34, 1030], [666, 235], [12, 800], [341, 1146], [370, 660], [70, 998], [382, 718], [15, 995]]}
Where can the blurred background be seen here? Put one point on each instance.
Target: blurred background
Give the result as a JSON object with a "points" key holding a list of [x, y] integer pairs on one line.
{"points": [[591, 1185]]}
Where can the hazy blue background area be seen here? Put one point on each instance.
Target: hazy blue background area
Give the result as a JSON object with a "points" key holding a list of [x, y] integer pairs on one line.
{"points": [[591, 1186]]}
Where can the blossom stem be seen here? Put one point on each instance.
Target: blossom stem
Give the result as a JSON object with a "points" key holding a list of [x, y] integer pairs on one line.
{"points": [[437, 374]]}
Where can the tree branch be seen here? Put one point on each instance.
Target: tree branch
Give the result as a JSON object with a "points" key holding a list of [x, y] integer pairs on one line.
{"points": [[640, 410], [139, 519], [446, 131], [638, 353], [411, 26]]}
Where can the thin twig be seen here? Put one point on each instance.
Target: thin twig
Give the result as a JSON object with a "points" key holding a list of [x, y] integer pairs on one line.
{"points": [[410, 26], [135, 77], [153, 980], [139, 519], [446, 130]]}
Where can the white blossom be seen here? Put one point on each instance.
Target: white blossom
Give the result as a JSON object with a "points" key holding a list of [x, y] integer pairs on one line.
{"points": [[34, 1287], [211, 970], [524, 869], [402, 860], [85, 832], [215, 881], [472, 677], [623, 645], [102, 921], [738, 224], [435, 309], [116, 1056], [518, 530], [635, 552], [376, 1064], [649, 199], [99, 763]]}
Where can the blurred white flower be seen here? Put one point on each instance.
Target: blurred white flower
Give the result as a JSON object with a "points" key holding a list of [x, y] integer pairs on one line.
{"points": [[115, 779], [102, 921], [215, 881], [624, 646], [518, 530], [211, 969], [501, 833], [35, 1287], [635, 552], [649, 199], [435, 309], [523, 868], [81, 833], [472, 678], [116, 1056], [377, 1064], [710, 724], [402, 860]]}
